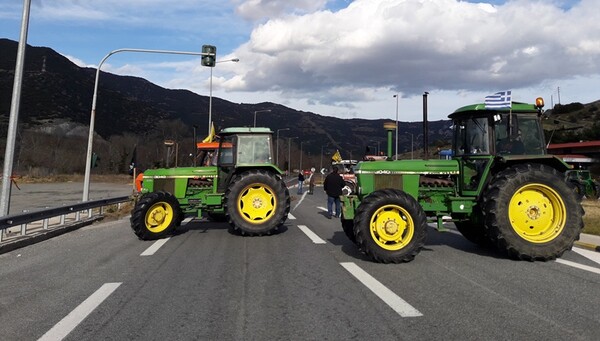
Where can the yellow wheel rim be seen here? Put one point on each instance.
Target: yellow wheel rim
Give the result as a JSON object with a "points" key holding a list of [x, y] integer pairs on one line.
{"points": [[257, 203], [159, 217], [537, 213], [392, 227]]}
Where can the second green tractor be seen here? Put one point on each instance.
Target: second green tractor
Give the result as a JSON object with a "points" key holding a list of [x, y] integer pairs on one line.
{"points": [[500, 188]]}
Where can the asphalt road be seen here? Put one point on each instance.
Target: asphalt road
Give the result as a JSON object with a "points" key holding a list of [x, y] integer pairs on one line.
{"points": [[307, 282], [36, 196]]}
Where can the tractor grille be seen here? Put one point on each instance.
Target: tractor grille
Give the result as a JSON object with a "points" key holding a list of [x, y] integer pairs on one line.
{"points": [[165, 185], [387, 181]]}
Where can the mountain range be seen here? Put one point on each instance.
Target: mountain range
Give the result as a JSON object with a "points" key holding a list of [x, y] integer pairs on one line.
{"points": [[56, 91]]}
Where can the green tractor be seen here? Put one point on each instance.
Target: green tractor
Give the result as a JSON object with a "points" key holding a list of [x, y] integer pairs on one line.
{"points": [[583, 183], [499, 188], [238, 184]]}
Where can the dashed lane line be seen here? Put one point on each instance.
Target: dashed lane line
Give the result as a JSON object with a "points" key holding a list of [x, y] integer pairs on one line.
{"points": [[310, 234], [75, 317], [154, 247], [579, 266], [386, 295], [291, 217]]}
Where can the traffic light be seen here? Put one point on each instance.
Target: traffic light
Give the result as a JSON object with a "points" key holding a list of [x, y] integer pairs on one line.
{"points": [[210, 59]]}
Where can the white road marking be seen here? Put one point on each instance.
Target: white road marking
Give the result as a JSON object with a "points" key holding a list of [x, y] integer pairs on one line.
{"points": [[389, 297], [591, 255], [291, 217], [310, 234], [300, 201], [579, 266], [187, 220], [322, 208], [154, 247], [75, 317]]}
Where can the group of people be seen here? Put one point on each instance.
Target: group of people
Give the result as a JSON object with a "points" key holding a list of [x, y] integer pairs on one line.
{"points": [[333, 185]]}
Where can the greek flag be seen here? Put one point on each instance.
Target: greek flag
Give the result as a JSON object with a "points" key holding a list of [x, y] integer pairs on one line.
{"points": [[499, 100]]}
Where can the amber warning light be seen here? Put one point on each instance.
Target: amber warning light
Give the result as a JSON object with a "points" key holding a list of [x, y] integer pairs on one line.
{"points": [[539, 102]]}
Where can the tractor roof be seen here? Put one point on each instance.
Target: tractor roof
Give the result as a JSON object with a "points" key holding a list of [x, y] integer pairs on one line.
{"points": [[245, 130], [517, 107]]}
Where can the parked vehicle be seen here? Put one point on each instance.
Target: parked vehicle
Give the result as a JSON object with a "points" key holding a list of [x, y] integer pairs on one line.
{"points": [[584, 184]]}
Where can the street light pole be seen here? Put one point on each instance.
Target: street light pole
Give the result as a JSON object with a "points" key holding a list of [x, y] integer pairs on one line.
{"points": [[411, 144], [86, 180], [267, 110], [321, 163], [235, 60], [290, 153], [14, 113], [397, 96], [301, 143], [277, 146], [195, 149]]}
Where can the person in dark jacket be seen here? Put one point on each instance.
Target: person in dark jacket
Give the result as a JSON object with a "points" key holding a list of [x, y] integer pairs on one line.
{"points": [[333, 185], [300, 182]]}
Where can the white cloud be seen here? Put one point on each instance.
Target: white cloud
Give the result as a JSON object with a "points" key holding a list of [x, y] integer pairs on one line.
{"points": [[261, 9], [411, 46]]}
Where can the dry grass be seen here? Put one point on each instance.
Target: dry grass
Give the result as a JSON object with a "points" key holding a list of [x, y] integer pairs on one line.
{"points": [[591, 219], [107, 178], [114, 213]]}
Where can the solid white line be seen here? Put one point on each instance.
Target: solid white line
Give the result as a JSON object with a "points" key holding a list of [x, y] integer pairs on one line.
{"points": [[389, 297], [75, 317], [154, 247], [579, 266], [310, 234], [291, 217], [591, 255]]}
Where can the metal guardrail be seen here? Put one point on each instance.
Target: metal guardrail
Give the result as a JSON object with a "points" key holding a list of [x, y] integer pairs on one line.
{"points": [[54, 218]]}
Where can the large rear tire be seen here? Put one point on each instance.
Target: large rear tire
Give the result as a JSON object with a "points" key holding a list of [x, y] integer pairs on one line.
{"points": [[390, 226], [257, 202], [156, 215], [532, 213]]}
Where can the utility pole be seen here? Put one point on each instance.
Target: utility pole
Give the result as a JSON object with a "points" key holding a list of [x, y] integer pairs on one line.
{"points": [[14, 113]]}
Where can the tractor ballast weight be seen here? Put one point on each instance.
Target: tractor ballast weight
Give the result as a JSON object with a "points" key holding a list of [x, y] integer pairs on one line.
{"points": [[500, 188], [238, 183]]}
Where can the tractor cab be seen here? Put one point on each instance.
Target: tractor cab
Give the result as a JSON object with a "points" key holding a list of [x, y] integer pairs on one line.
{"points": [[482, 136], [243, 148], [510, 131]]}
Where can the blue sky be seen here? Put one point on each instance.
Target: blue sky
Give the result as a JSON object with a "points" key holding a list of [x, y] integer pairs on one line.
{"points": [[337, 58]]}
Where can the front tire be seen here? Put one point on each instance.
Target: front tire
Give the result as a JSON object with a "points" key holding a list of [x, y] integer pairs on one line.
{"points": [[390, 226], [257, 202], [348, 227], [156, 215], [532, 214]]}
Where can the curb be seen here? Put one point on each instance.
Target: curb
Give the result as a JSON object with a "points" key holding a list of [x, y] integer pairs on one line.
{"points": [[588, 246]]}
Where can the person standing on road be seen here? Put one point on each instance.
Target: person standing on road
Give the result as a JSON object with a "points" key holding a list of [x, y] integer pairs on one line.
{"points": [[311, 182], [300, 182], [333, 185]]}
